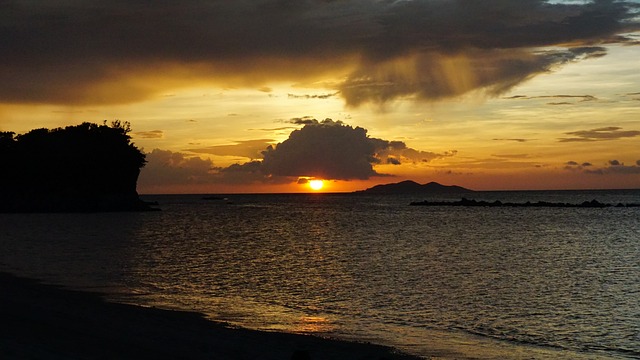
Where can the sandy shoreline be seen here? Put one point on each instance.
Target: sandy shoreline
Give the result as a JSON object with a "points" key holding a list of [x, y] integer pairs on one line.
{"points": [[48, 322]]}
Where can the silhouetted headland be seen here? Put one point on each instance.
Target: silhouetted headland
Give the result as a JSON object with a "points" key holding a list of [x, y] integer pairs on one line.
{"points": [[467, 202], [412, 187], [83, 168], [47, 322]]}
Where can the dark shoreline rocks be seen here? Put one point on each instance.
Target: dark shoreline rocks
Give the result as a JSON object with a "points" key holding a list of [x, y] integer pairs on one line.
{"points": [[497, 203]]}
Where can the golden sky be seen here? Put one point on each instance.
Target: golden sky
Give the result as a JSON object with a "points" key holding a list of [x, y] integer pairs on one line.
{"points": [[264, 95]]}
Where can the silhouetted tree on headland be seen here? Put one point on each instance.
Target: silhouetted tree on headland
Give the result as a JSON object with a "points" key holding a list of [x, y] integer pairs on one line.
{"points": [[88, 167]]}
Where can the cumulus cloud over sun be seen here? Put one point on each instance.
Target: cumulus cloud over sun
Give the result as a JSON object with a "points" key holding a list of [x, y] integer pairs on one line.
{"points": [[122, 51], [333, 150], [326, 149]]}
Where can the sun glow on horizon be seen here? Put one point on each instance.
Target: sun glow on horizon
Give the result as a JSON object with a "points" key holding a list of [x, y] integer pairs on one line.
{"points": [[316, 184]]}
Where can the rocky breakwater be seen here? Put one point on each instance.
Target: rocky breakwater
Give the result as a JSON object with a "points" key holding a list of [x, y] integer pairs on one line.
{"points": [[497, 203]]}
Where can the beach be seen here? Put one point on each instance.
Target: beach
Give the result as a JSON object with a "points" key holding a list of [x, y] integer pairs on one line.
{"points": [[41, 321]]}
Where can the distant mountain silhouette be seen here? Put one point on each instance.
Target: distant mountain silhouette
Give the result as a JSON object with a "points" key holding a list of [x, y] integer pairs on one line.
{"points": [[83, 168], [412, 187]]}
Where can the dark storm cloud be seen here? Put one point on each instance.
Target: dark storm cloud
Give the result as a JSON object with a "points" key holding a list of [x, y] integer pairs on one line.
{"points": [[435, 75], [124, 51], [600, 134]]}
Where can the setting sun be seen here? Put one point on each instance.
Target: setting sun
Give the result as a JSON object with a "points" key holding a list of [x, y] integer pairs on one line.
{"points": [[316, 184]]}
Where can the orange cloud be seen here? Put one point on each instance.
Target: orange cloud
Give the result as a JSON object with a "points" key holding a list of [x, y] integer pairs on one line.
{"points": [[600, 134], [166, 168], [251, 149], [153, 134]]}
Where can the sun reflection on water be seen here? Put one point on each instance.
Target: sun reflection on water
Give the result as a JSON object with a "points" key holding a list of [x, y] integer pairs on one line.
{"points": [[313, 324]]}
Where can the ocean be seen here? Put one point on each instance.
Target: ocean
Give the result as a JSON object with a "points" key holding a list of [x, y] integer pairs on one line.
{"points": [[438, 281]]}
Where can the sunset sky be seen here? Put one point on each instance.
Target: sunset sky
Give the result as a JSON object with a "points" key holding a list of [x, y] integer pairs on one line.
{"points": [[265, 95]]}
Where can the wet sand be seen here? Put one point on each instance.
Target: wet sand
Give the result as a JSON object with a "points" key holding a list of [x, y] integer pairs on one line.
{"points": [[41, 321]]}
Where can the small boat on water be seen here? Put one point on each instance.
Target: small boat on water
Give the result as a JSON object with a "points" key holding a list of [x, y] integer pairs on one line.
{"points": [[213, 197]]}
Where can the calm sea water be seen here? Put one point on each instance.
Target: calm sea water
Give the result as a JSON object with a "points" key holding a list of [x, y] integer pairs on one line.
{"points": [[450, 282]]}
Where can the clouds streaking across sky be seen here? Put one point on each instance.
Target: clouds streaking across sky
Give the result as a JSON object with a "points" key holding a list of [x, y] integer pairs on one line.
{"points": [[486, 94]]}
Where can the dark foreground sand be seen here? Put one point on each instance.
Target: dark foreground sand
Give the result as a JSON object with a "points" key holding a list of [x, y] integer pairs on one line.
{"points": [[40, 321]]}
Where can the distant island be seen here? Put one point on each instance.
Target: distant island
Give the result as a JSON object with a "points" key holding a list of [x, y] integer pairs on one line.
{"points": [[83, 168], [412, 187]]}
